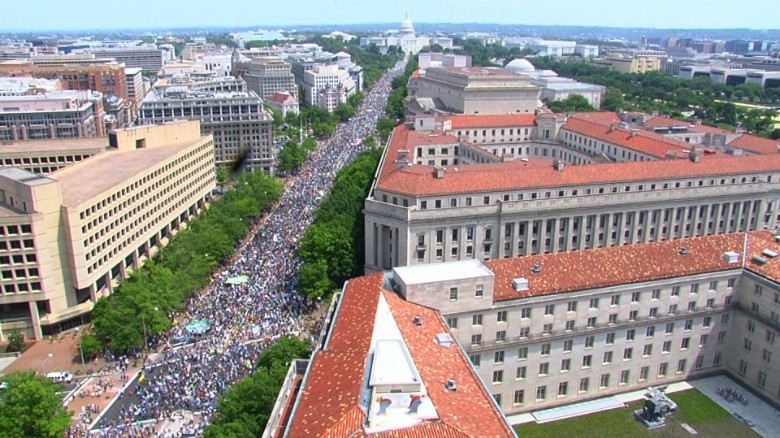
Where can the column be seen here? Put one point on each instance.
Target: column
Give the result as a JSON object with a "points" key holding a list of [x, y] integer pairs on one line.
{"points": [[608, 230], [108, 281], [529, 228], [727, 219], [555, 235], [93, 292], [706, 224], [35, 319], [569, 235]]}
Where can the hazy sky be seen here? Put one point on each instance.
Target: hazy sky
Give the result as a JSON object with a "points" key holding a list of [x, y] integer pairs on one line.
{"points": [[112, 14]]}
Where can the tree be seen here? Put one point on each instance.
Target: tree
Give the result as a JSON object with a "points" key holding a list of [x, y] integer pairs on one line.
{"points": [[15, 342], [573, 103], [223, 177], [90, 346], [344, 111], [385, 126], [31, 407], [245, 408]]}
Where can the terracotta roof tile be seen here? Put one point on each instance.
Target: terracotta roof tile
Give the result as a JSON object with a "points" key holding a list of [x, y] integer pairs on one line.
{"points": [[604, 267], [493, 121], [757, 243], [418, 180], [329, 399], [756, 144], [640, 140], [470, 409], [605, 118]]}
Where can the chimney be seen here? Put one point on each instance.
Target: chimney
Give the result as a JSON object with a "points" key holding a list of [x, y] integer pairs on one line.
{"points": [[536, 269], [438, 172], [634, 133], [559, 165], [613, 127], [694, 157], [451, 385], [417, 320]]}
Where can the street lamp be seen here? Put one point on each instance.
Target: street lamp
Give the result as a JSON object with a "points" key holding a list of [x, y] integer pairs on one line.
{"points": [[81, 351], [44, 363]]}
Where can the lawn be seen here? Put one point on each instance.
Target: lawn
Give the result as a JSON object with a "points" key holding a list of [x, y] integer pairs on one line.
{"points": [[695, 408]]}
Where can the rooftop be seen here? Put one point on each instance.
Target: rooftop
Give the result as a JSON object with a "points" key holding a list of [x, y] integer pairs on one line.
{"points": [[57, 145], [618, 265], [78, 182], [436, 273], [477, 71], [756, 145], [338, 397], [419, 180], [641, 141]]}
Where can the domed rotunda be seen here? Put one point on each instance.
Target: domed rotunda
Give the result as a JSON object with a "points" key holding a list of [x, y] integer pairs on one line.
{"points": [[520, 65]]}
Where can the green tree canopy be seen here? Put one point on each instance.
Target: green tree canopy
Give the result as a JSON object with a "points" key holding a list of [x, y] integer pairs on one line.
{"points": [[30, 407], [244, 410]]}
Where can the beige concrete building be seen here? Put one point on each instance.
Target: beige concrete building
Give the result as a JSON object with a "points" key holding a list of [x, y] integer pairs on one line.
{"points": [[629, 63], [573, 184], [66, 238], [266, 76], [475, 90], [554, 329]]}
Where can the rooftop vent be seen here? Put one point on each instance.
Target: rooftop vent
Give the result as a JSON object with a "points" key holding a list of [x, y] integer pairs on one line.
{"points": [[683, 251], [559, 165], [769, 253], [731, 257], [694, 157], [536, 269], [520, 284], [613, 127], [634, 133], [438, 172], [758, 259], [444, 339], [417, 320], [451, 386]]}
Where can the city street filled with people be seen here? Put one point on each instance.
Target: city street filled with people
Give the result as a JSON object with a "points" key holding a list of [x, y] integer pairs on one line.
{"points": [[249, 303]]}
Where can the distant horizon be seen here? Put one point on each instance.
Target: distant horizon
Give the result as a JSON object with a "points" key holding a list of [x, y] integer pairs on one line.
{"points": [[380, 25], [17, 16]]}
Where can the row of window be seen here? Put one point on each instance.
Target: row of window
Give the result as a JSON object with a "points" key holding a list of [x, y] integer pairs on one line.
{"points": [[612, 189], [605, 380]]}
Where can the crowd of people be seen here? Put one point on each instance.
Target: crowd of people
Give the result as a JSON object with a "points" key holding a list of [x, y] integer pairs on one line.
{"points": [[259, 304]]}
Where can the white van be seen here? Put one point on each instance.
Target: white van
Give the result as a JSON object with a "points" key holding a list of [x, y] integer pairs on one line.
{"points": [[60, 377]]}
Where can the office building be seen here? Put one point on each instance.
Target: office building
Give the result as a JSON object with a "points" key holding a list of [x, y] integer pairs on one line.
{"points": [[554, 329], [68, 237], [384, 366], [26, 85], [136, 89], [475, 90], [629, 63], [267, 75], [150, 59], [330, 82], [51, 115], [430, 59], [570, 184], [76, 72], [226, 109]]}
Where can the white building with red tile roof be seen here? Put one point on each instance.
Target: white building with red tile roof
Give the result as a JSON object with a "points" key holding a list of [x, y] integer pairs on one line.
{"points": [[538, 331], [482, 187]]}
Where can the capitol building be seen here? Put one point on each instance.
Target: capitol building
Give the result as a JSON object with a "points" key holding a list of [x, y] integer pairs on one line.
{"points": [[406, 39]]}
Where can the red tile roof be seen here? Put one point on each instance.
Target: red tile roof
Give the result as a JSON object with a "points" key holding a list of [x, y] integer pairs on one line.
{"points": [[493, 121], [755, 144], [329, 404], [602, 118], [604, 267], [757, 243], [418, 180], [279, 97], [660, 121], [470, 410], [641, 141]]}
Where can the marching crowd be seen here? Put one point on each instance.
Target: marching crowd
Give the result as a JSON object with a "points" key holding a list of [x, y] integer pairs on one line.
{"points": [[247, 315]]}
